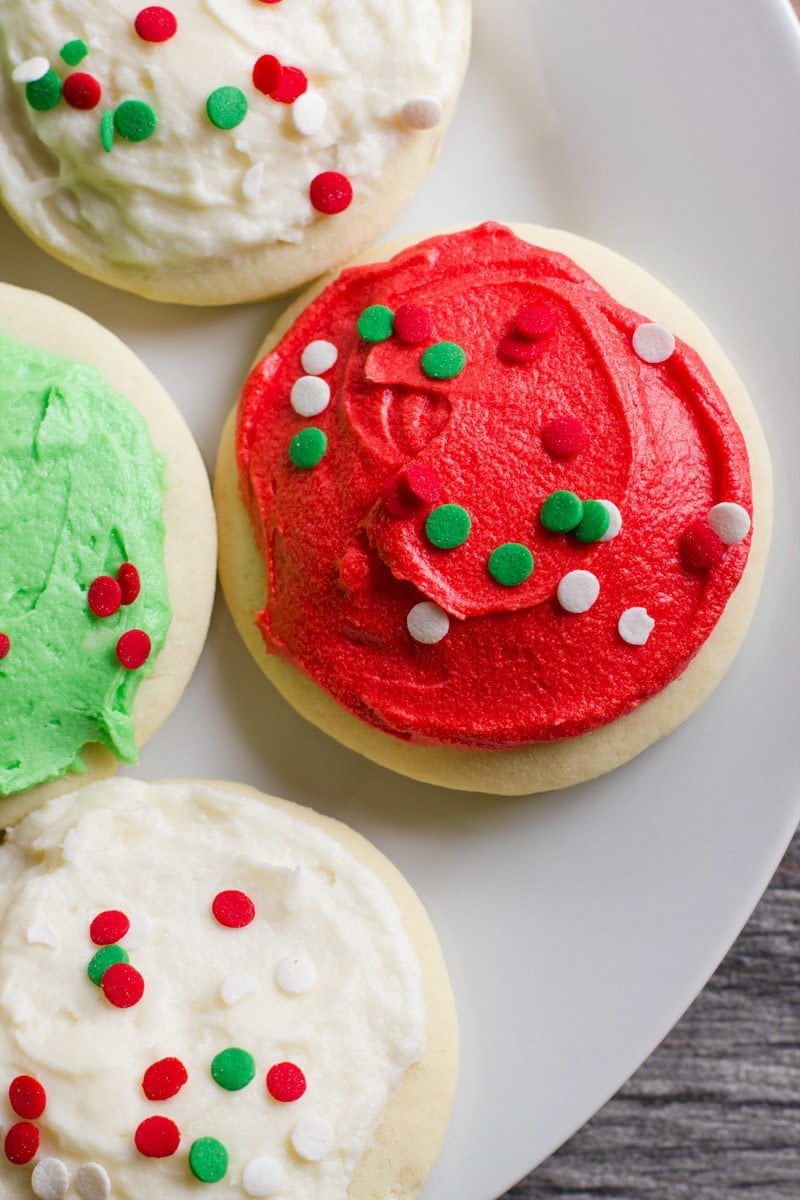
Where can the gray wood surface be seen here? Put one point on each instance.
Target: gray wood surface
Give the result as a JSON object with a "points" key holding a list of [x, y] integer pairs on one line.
{"points": [[714, 1114]]}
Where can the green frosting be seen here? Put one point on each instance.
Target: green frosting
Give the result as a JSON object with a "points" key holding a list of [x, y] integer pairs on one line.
{"points": [[80, 493]]}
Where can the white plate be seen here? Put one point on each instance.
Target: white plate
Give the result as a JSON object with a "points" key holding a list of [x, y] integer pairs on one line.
{"points": [[577, 926]]}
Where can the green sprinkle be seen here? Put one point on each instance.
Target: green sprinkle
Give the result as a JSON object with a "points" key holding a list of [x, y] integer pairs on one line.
{"points": [[208, 1160], [102, 960], [376, 323], [443, 360], [448, 526], [226, 107], [135, 121], [594, 522], [107, 130], [74, 52], [307, 447], [510, 564], [233, 1069], [561, 512], [45, 93]]}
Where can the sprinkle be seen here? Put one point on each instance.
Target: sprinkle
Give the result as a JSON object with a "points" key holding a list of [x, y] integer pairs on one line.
{"points": [[41, 933], [564, 437], [27, 1096], [318, 357], [226, 107], [561, 512], [443, 360], [428, 623], [517, 349], [155, 24], [291, 85], [653, 343], [308, 113], [22, 1143], [164, 1079], [415, 485], [635, 626], [510, 564], [267, 73], [5, 644], [129, 582], [237, 987], [44, 93], [233, 909], [107, 130], [50, 1179], [157, 1137], [133, 649], [312, 1138], [262, 1176], [74, 52], [448, 526], [594, 522], [92, 1182], [535, 321], [135, 121], [614, 520], [108, 957], [577, 591], [330, 192], [82, 90], [252, 181], [295, 975], [310, 396], [233, 1069], [700, 547], [30, 70], [285, 1082], [208, 1160], [730, 522], [307, 447], [412, 324], [122, 985], [376, 323], [421, 112], [105, 597]]}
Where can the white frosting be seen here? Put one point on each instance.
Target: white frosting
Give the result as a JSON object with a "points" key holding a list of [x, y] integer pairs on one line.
{"points": [[190, 191], [173, 847]]}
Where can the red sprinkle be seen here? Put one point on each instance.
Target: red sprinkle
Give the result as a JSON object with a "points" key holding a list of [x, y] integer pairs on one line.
{"points": [[331, 192], [22, 1143], [81, 90], [285, 1082], [267, 73], [156, 24], [108, 927], [28, 1097], [157, 1137], [133, 649], [517, 349], [410, 489], [565, 436], [122, 985], [233, 909], [700, 547], [164, 1078], [105, 596], [535, 321], [291, 84], [412, 324], [5, 644], [129, 582]]}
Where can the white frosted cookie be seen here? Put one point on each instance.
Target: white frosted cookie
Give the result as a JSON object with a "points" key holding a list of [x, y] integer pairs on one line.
{"points": [[215, 151], [134, 1061], [107, 551], [524, 535]]}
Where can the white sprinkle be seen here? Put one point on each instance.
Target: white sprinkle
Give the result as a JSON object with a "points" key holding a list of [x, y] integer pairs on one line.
{"points": [[427, 623], [262, 1176], [252, 180], [615, 520], [295, 975], [50, 1179], [308, 113], [577, 591], [235, 987], [310, 396], [318, 357], [312, 1138], [42, 933], [138, 933], [730, 522], [30, 70], [635, 626], [653, 343], [92, 1182], [422, 112]]}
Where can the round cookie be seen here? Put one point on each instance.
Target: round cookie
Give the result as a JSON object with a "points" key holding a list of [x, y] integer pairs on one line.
{"points": [[107, 551], [292, 1030], [528, 534], [225, 151]]}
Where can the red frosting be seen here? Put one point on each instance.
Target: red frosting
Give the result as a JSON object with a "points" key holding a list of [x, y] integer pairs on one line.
{"points": [[345, 539]]}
